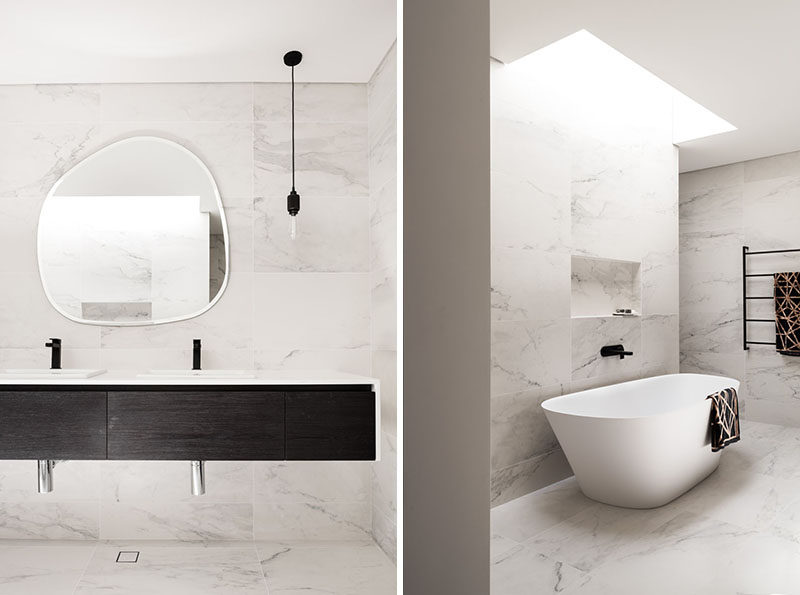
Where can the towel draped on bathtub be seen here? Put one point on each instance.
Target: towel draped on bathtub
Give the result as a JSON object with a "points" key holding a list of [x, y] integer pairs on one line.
{"points": [[787, 313], [724, 418]]}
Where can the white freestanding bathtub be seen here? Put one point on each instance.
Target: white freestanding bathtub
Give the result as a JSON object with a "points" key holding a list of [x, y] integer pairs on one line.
{"points": [[639, 444]]}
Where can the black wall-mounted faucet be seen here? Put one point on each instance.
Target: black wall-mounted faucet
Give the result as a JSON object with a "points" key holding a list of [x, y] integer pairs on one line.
{"points": [[614, 350], [196, 354], [55, 355]]}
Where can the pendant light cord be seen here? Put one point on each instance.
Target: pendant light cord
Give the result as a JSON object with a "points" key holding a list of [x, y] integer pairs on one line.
{"points": [[292, 127]]}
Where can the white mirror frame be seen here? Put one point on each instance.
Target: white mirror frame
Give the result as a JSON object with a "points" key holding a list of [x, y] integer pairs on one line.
{"points": [[223, 221]]}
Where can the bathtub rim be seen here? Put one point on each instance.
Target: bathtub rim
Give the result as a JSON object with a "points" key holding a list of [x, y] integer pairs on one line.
{"points": [[549, 409]]}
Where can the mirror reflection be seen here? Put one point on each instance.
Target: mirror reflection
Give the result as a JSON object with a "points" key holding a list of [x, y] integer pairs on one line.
{"points": [[135, 234]]}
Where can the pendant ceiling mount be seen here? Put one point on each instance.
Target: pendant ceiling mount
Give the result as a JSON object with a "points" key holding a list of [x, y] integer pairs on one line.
{"points": [[292, 58]]}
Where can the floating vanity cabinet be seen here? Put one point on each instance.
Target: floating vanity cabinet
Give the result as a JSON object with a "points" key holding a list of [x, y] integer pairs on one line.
{"points": [[227, 425], [52, 424], [258, 421], [334, 425]]}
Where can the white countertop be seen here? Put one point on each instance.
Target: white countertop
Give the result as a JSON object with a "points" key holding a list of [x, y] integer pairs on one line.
{"points": [[260, 378]]}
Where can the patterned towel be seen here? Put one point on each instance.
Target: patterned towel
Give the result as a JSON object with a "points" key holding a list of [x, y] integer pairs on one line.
{"points": [[787, 313], [724, 418]]}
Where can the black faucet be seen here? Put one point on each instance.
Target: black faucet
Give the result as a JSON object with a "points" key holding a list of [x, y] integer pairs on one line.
{"points": [[196, 353], [55, 356], [614, 350]]}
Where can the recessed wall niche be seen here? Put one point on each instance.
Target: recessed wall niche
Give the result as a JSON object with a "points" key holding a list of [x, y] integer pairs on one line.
{"points": [[600, 286]]}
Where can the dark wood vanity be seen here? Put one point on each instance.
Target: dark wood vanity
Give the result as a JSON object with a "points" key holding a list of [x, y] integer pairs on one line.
{"points": [[195, 422]]}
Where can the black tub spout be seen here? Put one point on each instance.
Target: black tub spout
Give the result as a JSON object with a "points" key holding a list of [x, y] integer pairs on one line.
{"points": [[614, 350]]}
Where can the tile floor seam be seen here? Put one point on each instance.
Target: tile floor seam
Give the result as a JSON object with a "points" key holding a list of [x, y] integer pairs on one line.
{"points": [[592, 504], [261, 566], [85, 568], [253, 500]]}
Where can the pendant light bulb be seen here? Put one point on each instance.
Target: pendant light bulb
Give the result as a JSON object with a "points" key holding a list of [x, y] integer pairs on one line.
{"points": [[293, 206], [292, 59]]}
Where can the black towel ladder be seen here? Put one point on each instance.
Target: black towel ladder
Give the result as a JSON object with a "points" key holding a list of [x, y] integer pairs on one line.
{"points": [[745, 253]]}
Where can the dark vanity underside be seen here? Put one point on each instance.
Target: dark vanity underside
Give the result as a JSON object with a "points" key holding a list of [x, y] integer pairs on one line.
{"points": [[199, 422]]}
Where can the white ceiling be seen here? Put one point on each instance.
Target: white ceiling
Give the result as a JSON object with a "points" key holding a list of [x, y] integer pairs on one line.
{"points": [[738, 58], [53, 41]]}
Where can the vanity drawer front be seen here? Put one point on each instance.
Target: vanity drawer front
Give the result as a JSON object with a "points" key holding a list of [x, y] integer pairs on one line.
{"points": [[53, 425], [209, 425], [332, 425]]}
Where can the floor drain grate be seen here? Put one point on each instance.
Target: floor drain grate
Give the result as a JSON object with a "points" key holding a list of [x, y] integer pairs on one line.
{"points": [[127, 557]]}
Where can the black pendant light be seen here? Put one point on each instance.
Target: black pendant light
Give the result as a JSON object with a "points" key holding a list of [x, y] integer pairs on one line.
{"points": [[292, 59]]}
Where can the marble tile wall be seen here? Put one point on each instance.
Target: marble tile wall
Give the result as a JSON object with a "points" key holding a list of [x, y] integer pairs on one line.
{"points": [[303, 304], [572, 180], [382, 127], [754, 203]]}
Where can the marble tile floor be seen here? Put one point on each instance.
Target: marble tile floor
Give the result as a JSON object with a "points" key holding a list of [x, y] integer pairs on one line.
{"points": [[195, 568], [737, 532]]}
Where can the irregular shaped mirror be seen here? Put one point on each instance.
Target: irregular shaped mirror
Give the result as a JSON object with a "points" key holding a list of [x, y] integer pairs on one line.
{"points": [[134, 235]]}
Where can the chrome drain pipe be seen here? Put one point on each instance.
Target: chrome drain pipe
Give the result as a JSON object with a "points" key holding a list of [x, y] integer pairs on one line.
{"points": [[198, 478], [45, 475]]}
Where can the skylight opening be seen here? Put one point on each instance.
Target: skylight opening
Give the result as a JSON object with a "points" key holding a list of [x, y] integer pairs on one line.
{"points": [[581, 61]]}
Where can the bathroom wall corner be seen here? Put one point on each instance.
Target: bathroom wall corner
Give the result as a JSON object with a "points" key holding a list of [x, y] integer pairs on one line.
{"points": [[382, 150]]}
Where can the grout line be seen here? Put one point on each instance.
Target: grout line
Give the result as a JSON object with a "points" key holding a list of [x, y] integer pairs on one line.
{"points": [[261, 567], [100, 502], [86, 567], [253, 499]]}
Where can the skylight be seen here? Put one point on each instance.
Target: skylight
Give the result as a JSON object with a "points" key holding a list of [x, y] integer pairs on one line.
{"points": [[582, 66]]}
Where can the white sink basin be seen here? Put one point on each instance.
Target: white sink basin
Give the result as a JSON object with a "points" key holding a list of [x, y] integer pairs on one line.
{"points": [[198, 374], [39, 373]]}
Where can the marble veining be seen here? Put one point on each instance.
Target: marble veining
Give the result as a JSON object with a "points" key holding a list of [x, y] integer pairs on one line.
{"points": [[313, 521], [308, 569], [711, 209], [529, 354], [712, 331], [519, 425], [52, 570], [35, 156], [130, 482], [332, 162], [712, 250], [660, 274], [721, 364], [185, 521], [590, 334], [556, 540], [49, 520], [516, 297], [313, 482], [528, 217]]}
